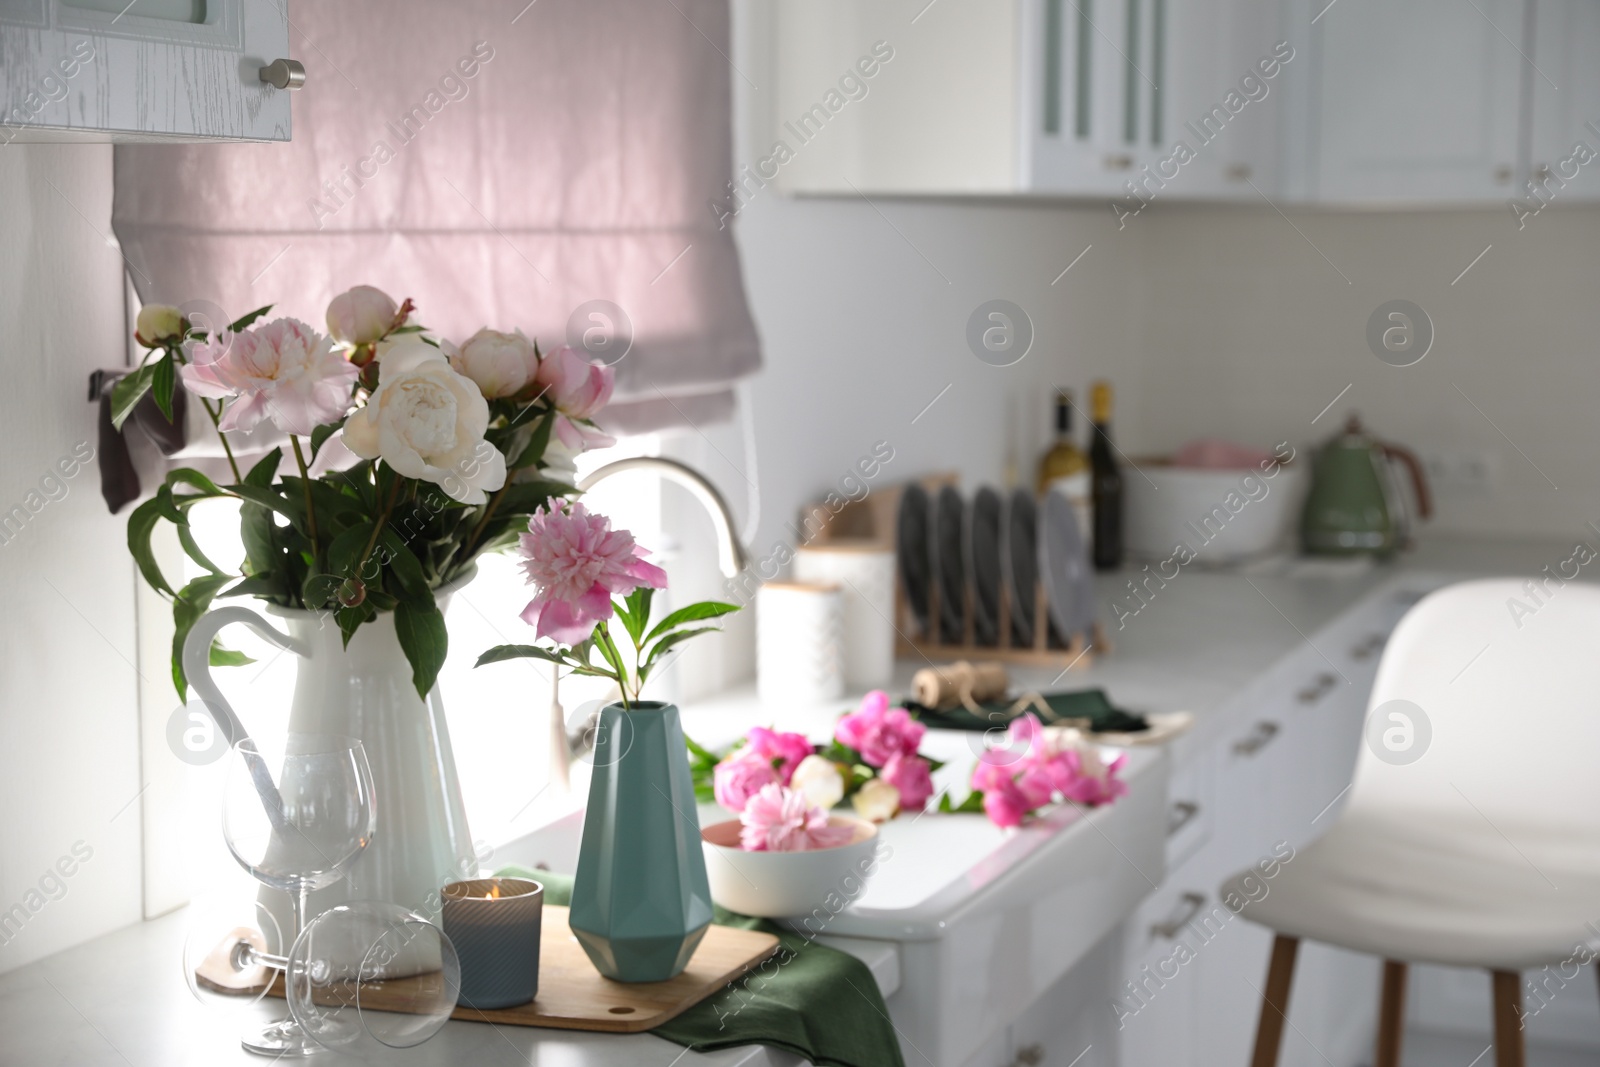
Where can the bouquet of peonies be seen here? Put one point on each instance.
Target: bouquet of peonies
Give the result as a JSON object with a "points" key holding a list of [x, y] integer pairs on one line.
{"points": [[455, 447], [781, 785], [1037, 767]]}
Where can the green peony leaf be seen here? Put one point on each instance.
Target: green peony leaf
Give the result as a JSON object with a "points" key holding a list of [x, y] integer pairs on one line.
{"points": [[705, 609], [423, 639], [128, 391]]}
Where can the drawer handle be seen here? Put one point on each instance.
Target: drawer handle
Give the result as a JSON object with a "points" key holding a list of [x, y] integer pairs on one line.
{"points": [[1192, 903], [1320, 685], [1373, 643], [1029, 1056], [1259, 739], [1181, 815], [1118, 162]]}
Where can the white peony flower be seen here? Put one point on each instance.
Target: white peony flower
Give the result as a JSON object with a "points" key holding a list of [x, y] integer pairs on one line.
{"points": [[819, 781], [877, 801], [427, 422], [157, 323], [361, 315], [500, 363]]}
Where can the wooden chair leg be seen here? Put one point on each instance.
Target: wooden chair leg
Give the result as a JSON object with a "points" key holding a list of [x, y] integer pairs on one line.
{"points": [[1275, 1002], [1391, 1014], [1508, 1050]]}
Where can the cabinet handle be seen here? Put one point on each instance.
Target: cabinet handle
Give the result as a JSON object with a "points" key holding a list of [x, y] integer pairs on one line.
{"points": [[1192, 903], [284, 74], [1313, 692], [1180, 815], [1029, 1056], [1502, 175], [1366, 648], [1237, 172], [1259, 739], [1119, 162]]}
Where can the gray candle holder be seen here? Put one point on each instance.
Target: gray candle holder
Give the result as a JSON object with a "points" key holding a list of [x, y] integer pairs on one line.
{"points": [[495, 924]]}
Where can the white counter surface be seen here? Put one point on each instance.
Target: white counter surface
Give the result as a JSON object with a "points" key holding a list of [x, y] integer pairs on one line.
{"points": [[1199, 640]]}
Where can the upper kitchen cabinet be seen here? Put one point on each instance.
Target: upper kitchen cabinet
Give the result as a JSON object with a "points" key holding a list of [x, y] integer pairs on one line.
{"points": [[1412, 102], [1062, 97], [170, 70], [1564, 82]]}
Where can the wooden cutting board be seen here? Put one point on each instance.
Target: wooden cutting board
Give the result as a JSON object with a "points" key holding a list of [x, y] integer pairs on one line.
{"points": [[574, 996]]}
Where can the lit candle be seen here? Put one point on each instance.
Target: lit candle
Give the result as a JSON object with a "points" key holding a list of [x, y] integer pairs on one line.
{"points": [[494, 924]]}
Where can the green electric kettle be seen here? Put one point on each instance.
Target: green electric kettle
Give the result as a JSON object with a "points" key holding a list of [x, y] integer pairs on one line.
{"points": [[1355, 507]]}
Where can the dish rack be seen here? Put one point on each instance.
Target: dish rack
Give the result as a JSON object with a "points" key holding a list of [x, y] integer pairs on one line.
{"points": [[1076, 654], [872, 519]]}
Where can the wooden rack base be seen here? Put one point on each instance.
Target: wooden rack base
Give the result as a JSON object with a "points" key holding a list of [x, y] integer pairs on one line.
{"points": [[1077, 654]]}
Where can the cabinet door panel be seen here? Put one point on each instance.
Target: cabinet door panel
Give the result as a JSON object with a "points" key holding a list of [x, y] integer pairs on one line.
{"points": [[87, 72], [1081, 130], [1208, 50], [1565, 84], [1417, 101]]}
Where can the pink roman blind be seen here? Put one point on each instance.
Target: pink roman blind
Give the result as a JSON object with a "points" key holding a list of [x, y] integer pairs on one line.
{"points": [[550, 167]]}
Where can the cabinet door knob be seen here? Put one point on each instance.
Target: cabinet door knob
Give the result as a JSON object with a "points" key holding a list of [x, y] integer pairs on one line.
{"points": [[1259, 738], [1181, 814], [1192, 903], [284, 74]]}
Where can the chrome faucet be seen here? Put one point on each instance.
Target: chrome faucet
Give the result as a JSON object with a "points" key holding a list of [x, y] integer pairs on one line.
{"points": [[731, 558], [567, 745]]}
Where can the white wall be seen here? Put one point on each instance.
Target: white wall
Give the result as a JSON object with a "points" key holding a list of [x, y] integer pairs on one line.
{"points": [[69, 744], [1253, 333]]}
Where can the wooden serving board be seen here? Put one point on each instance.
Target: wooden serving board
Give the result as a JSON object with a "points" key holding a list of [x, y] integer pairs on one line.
{"points": [[574, 996]]}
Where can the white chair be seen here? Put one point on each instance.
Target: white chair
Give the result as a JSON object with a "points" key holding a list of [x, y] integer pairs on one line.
{"points": [[1484, 851]]}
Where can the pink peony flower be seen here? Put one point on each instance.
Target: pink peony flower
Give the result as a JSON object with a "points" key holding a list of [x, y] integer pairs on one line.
{"points": [[779, 820], [737, 779], [1037, 766], [1006, 805], [578, 562], [877, 732], [784, 749], [912, 777], [283, 371], [578, 389], [1095, 781]]}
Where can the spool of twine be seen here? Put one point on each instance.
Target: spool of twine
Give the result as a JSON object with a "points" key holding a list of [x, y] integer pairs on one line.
{"points": [[959, 684]]}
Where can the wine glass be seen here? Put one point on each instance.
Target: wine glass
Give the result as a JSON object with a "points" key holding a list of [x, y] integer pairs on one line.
{"points": [[296, 817]]}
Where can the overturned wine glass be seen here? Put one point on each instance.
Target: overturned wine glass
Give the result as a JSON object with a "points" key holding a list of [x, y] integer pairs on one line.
{"points": [[296, 816], [361, 977]]}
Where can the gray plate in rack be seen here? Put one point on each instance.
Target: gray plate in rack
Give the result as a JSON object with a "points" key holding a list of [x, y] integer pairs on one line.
{"points": [[948, 521], [1019, 561], [983, 564]]}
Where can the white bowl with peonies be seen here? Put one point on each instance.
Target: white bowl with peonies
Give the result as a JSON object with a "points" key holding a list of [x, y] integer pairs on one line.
{"points": [[788, 885]]}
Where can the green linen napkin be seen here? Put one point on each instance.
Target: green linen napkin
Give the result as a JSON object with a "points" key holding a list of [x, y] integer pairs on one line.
{"points": [[1091, 704], [818, 1003]]}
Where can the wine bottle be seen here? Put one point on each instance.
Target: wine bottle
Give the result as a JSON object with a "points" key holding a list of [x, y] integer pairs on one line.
{"points": [[1063, 468], [1105, 483]]}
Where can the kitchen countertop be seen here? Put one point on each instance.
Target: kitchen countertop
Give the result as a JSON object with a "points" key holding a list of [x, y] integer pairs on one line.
{"points": [[1200, 639], [1195, 643]]}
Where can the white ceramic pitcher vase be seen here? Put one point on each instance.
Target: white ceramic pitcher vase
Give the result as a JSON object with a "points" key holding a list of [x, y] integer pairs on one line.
{"points": [[363, 691]]}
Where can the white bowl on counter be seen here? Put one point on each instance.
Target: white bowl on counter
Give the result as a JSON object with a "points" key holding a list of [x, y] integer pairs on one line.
{"points": [[788, 885], [1223, 516]]}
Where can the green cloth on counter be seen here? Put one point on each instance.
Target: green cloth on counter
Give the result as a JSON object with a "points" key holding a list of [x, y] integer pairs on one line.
{"points": [[1091, 704], [819, 1003]]}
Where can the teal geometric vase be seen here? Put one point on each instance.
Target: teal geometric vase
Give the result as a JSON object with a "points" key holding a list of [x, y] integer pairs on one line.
{"points": [[640, 902]]}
